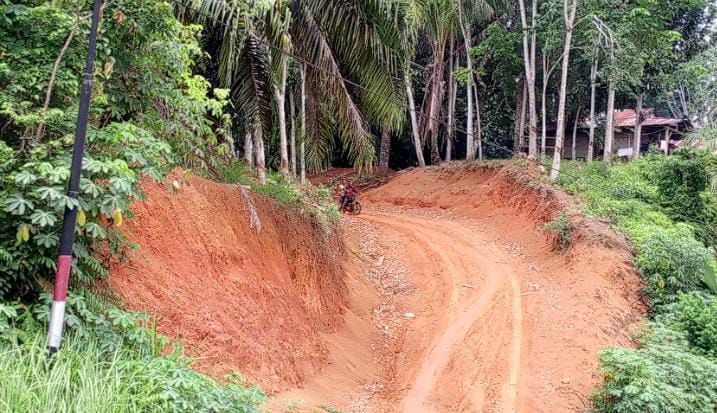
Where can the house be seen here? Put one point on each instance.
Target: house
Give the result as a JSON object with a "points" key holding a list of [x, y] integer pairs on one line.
{"points": [[665, 133]]}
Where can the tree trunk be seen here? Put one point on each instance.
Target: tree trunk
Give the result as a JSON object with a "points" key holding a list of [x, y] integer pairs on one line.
{"points": [[519, 117], [302, 113], [638, 127], [470, 141], [543, 108], [260, 156], [610, 124], [384, 151], [414, 121], [529, 48], [429, 119], [292, 142], [560, 132], [593, 87], [451, 105], [280, 97], [248, 150], [303, 163], [575, 133], [478, 136]]}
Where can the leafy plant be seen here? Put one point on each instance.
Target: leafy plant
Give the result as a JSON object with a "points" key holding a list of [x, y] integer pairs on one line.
{"points": [[656, 378], [33, 200], [560, 227], [672, 261]]}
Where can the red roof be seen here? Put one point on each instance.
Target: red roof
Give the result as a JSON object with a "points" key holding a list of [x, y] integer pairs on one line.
{"points": [[626, 119]]}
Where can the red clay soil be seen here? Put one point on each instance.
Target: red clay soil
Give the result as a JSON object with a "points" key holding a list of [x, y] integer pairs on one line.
{"points": [[452, 299], [476, 310], [256, 303]]}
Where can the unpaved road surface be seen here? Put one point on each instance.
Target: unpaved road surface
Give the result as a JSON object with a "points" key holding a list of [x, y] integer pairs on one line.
{"points": [[461, 332], [474, 310]]}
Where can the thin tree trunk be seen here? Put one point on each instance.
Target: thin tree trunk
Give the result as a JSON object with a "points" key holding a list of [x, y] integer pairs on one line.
{"points": [[248, 150], [292, 142], [429, 124], [638, 127], [260, 156], [303, 163], [451, 104], [53, 76], [610, 124], [529, 48], [569, 15], [470, 140], [593, 88], [384, 151], [280, 97], [575, 133], [414, 121], [478, 137], [519, 117], [302, 114], [543, 108]]}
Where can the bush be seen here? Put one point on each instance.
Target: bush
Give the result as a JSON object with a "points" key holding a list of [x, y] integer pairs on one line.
{"points": [[696, 316], [33, 199], [672, 261], [656, 379], [560, 227], [681, 179]]}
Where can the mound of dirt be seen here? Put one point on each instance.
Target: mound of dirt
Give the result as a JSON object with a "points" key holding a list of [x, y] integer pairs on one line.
{"points": [[240, 300]]}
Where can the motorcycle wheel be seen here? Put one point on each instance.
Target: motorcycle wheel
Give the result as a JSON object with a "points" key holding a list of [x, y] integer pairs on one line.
{"points": [[356, 209]]}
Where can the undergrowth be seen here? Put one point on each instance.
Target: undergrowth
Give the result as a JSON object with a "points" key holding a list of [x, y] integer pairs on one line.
{"points": [[664, 205], [560, 227], [110, 361]]}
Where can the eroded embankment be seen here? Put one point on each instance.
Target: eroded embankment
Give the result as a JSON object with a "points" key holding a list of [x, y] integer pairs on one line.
{"points": [[239, 300]]}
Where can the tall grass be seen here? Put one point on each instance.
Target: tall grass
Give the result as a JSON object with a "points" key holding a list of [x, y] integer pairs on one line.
{"points": [[83, 378]]}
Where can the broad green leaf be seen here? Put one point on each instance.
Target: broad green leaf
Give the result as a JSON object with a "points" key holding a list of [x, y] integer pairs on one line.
{"points": [[17, 205]]}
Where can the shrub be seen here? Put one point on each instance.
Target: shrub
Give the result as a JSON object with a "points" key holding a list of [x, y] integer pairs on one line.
{"points": [[656, 379], [560, 227], [672, 261], [696, 316], [32, 201], [680, 181]]}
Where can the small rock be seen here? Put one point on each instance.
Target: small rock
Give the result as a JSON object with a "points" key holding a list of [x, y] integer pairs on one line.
{"points": [[566, 380], [409, 315]]}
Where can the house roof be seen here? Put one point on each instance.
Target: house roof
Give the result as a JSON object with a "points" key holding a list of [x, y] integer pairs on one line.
{"points": [[626, 119]]}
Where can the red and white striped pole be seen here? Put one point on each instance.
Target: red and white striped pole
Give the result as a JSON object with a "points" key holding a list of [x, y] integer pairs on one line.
{"points": [[67, 236]]}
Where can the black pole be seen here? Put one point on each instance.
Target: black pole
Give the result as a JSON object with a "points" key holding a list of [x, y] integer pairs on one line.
{"points": [[67, 236]]}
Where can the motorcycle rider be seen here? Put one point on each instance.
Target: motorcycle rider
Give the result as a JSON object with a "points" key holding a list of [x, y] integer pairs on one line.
{"points": [[348, 195]]}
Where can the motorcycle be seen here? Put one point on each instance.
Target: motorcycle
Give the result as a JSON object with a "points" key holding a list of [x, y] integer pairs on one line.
{"points": [[352, 207]]}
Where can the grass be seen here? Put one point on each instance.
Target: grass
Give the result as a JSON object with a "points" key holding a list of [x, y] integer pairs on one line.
{"points": [[82, 377]]}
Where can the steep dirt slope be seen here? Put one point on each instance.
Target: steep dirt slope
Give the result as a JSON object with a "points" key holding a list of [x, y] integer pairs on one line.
{"points": [[240, 300]]}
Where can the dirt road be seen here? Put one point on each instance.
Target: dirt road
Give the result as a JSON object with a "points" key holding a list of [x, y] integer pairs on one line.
{"points": [[475, 309], [460, 356]]}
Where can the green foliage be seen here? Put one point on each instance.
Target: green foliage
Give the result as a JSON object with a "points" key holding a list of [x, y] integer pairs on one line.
{"points": [[696, 316], [33, 200], [560, 227], [681, 179], [672, 261], [654, 379], [87, 376]]}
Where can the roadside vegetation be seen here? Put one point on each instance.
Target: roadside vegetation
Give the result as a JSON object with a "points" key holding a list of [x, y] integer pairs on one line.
{"points": [[664, 205]]}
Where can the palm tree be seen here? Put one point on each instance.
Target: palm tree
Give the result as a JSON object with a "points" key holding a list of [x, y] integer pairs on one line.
{"points": [[344, 43]]}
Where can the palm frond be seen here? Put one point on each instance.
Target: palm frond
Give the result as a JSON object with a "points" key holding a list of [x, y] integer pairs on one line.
{"points": [[251, 90]]}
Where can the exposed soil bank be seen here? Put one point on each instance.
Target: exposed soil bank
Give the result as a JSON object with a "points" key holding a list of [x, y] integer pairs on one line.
{"points": [[240, 300]]}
